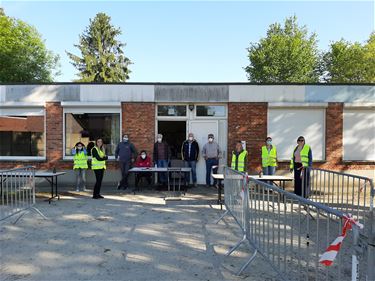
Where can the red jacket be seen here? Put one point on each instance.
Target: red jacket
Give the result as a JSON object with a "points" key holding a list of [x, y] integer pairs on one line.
{"points": [[143, 163]]}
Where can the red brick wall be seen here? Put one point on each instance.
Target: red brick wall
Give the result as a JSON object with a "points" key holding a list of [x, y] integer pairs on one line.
{"points": [[138, 120], [248, 122]]}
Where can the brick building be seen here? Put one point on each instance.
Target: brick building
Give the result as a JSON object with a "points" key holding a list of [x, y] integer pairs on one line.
{"points": [[39, 124]]}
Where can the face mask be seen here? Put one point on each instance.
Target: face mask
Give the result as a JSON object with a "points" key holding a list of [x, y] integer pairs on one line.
{"points": [[210, 139], [79, 147], [269, 142], [159, 139], [143, 156], [190, 138], [125, 139]]}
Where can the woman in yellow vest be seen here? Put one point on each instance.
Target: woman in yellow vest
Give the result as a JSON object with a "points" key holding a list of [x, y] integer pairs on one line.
{"points": [[301, 159], [239, 158], [269, 157], [80, 165], [98, 165]]}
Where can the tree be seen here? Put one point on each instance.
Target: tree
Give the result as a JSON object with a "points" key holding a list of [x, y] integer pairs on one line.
{"points": [[347, 62], [102, 58], [286, 54], [23, 55]]}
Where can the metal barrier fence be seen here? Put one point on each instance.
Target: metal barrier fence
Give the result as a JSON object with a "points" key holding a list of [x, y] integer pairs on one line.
{"points": [[345, 192], [291, 232], [17, 191]]}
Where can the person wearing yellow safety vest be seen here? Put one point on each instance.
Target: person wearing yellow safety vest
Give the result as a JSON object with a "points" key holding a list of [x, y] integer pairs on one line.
{"points": [[300, 161], [98, 165], [80, 165], [239, 158], [269, 157]]}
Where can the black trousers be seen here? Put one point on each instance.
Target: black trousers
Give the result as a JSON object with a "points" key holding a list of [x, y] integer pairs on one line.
{"points": [[98, 184], [146, 175], [125, 167], [301, 183]]}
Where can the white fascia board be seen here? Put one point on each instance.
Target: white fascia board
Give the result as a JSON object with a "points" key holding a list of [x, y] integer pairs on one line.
{"points": [[266, 93], [297, 105], [362, 105], [119, 93]]}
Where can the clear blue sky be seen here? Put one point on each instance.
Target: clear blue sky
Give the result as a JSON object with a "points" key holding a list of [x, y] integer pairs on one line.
{"points": [[189, 41]]}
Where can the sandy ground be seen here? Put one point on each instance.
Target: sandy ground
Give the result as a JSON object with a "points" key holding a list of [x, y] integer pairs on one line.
{"points": [[126, 237]]}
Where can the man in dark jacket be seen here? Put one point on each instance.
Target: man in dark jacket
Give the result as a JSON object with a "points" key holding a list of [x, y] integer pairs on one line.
{"points": [[190, 155], [126, 153], [162, 154]]}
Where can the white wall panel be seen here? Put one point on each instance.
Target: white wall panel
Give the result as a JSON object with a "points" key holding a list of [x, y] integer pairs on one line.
{"points": [[359, 134], [285, 125]]}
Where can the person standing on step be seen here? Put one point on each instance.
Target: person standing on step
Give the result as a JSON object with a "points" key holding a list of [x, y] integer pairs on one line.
{"points": [[98, 161], [126, 154], [190, 156], [211, 153], [80, 165]]}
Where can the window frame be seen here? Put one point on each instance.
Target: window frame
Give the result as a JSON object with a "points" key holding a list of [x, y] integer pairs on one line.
{"points": [[93, 107], [26, 109]]}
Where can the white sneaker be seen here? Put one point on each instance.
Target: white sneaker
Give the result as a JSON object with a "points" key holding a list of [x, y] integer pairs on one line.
{"points": [[77, 189], [85, 189]]}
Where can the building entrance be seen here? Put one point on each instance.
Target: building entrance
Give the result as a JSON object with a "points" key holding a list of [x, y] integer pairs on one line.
{"points": [[174, 133]]}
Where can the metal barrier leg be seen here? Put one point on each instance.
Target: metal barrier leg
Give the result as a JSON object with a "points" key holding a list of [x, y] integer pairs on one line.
{"points": [[222, 216], [247, 263], [244, 238]]}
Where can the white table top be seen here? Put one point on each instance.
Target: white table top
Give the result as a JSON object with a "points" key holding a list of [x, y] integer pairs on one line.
{"points": [[263, 178], [153, 169]]}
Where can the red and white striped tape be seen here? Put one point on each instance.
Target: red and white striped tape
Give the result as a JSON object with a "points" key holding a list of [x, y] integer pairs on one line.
{"points": [[331, 252]]}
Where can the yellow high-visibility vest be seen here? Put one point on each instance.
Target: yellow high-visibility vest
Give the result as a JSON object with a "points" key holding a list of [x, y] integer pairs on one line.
{"points": [[304, 156], [80, 160], [241, 161], [269, 159], [95, 163]]}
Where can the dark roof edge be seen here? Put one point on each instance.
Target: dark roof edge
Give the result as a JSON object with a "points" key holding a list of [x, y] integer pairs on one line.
{"points": [[192, 83]]}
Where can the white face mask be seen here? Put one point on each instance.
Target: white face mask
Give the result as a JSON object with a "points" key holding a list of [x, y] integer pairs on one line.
{"points": [[125, 139], [159, 139], [210, 139], [79, 147], [190, 138], [143, 156]]}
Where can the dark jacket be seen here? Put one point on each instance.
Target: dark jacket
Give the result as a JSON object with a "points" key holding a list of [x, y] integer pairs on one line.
{"points": [[95, 154], [167, 151], [126, 151], [194, 151]]}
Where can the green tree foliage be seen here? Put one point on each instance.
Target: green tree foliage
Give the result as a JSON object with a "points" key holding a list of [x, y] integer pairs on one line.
{"points": [[102, 58], [287, 54], [23, 55], [347, 62]]}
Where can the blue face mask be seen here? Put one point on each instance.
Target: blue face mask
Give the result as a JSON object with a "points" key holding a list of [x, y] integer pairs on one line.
{"points": [[269, 142]]}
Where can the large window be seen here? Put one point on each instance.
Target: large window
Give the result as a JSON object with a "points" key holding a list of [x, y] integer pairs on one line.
{"points": [[286, 124], [86, 127], [22, 136], [359, 134]]}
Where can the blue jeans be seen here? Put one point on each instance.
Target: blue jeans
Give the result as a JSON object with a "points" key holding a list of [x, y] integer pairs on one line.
{"points": [[269, 171], [193, 166], [162, 176], [209, 163]]}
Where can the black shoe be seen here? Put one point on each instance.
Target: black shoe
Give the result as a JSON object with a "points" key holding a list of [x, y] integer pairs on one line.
{"points": [[95, 197], [100, 197], [118, 187]]}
